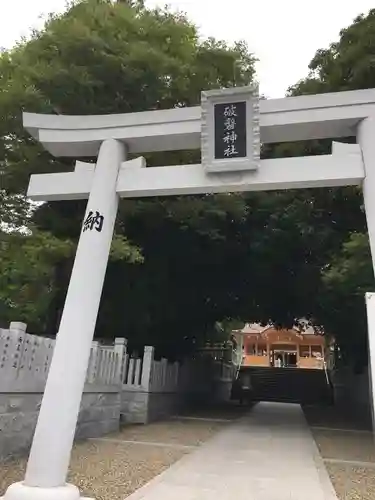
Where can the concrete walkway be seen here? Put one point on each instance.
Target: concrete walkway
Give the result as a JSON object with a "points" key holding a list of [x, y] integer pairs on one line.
{"points": [[268, 455]]}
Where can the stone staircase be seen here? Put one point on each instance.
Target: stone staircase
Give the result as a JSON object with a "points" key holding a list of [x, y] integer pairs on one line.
{"points": [[290, 385]]}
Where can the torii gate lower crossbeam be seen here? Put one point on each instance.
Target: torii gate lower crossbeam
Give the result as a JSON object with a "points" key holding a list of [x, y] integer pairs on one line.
{"points": [[112, 177]]}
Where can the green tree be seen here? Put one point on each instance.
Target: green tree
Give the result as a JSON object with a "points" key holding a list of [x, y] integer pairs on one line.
{"points": [[347, 64], [27, 263], [346, 280], [30, 263], [180, 265], [338, 305], [117, 57]]}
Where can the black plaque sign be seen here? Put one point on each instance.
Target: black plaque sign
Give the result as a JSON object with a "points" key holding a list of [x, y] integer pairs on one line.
{"points": [[230, 130]]}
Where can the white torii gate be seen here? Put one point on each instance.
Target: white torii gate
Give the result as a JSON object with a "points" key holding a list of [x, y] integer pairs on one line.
{"points": [[110, 138]]}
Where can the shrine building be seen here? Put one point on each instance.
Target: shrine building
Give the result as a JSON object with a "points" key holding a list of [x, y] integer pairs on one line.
{"points": [[288, 348]]}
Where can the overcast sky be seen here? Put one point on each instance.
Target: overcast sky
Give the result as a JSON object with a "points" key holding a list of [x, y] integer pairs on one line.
{"points": [[284, 35]]}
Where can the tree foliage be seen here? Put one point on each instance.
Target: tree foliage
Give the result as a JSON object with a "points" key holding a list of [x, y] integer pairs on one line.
{"points": [[116, 57], [26, 274], [348, 64], [178, 265]]}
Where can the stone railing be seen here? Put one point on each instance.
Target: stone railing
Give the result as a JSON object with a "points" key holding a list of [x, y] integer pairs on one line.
{"points": [[24, 363], [25, 359], [118, 386]]}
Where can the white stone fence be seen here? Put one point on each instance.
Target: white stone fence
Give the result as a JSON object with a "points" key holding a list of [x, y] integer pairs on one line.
{"points": [[148, 389], [24, 364], [25, 359], [147, 373], [154, 389]]}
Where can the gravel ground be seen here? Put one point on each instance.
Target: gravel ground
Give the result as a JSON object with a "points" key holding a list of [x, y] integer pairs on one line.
{"points": [[350, 446], [351, 481], [106, 470], [112, 470]]}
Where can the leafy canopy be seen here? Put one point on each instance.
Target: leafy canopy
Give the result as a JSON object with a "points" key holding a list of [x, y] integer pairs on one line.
{"points": [[106, 57], [179, 265]]}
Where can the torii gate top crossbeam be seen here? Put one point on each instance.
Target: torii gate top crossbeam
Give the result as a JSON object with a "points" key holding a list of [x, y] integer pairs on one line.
{"points": [[319, 116]]}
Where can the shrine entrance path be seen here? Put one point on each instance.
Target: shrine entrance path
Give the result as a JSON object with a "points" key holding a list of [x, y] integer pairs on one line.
{"points": [[269, 454]]}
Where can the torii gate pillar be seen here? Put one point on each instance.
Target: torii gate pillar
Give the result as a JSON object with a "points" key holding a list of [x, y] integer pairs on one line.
{"points": [[50, 452], [366, 139]]}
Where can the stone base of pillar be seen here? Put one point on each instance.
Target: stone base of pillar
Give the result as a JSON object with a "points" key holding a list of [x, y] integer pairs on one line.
{"points": [[19, 491]]}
